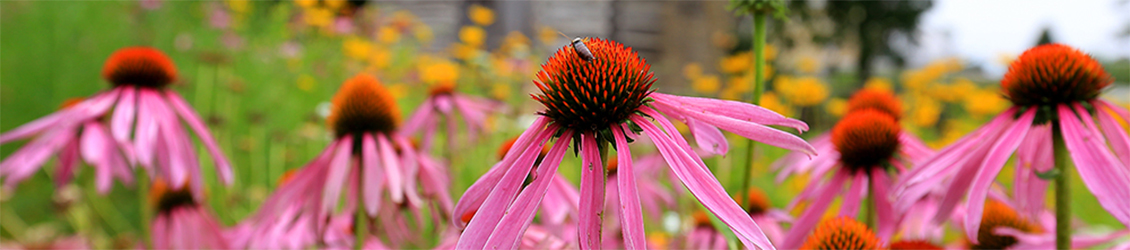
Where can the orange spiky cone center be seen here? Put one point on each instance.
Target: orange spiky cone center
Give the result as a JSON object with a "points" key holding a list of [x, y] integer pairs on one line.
{"points": [[592, 95], [444, 88], [913, 245], [166, 199], [701, 219], [140, 66], [865, 139], [841, 233], [997, 214], [1053, 74], [756, 202], [363, 105], [880, 100]]}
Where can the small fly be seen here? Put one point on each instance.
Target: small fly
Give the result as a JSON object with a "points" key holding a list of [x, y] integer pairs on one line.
{"points": [[578, 45]]}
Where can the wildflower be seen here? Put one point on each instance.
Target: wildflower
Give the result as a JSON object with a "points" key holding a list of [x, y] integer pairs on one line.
{"points": [[605, 101], [879, 83], [805, 91], [767, 217], [1002, 227], [182, 223], [357, 48], [480, 15], [808, 64], [376, 168], [438, 71], [472, 35], [703, 235], [836, 107], [387, 34], [705, 84], [692, 70], [842, 233], [139, 76], [1048, 86], [445, 103], [980, 103]]}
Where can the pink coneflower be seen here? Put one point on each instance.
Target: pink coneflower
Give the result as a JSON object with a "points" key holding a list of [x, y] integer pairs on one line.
{"points": [[376, 167], [1054, 89], [867, 143], [1002, 227], [767, 217], [654, 196], [702, 235], [182, 223], [535, 237], [842, 233], [608, 100], [444, 103], [140, 77]]}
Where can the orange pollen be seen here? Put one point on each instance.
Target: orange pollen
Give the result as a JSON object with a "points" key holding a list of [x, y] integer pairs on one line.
{"points": [[444, 88], [592, 95], [998, 214], [884, 101], [866, 139], [1053, 74], [140, 66], [913, 245], [756, 202], [363, 105], [701, 219], [841, 233]]}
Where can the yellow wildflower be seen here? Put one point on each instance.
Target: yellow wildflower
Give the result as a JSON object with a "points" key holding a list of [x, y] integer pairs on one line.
{"points": [[836, 107], [981, 103], [388, 34], [306, 3], [741, 83], [423, 33], [808, 64], [334, 4], [379, 58], [548, 35], [357, 48], [472, 35], [926, 111], [480, 15], [514, 43], [238, 6], [658, 240], [806, 91], [878, 83], [318, 17], [770, 52], [770, 101], [500, 91], [729, 93], [737, 63], [463, 51], [692, 70], [438, 71], [706, 84], [305, 82]]}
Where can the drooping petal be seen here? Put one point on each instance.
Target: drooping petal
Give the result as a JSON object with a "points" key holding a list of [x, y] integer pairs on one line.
{"points": [[1034, 156], [473, 197], [68, 161], [121, 122], [747, 129], [1119, 141], [631, 215], [886, 217], [418, 117], [698, 179], [338, 171], [519, 216], [393, 171], [854, 196], [87, 109], [813, 212], [93, 151], [374, 176], [709, 138], [734, 109], [223, 166], [25, 161], [1095, 164], [146, 134], [991, 166], [592, 193]]}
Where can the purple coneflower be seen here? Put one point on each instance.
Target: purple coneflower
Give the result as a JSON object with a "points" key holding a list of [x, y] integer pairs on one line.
{"points": [[1054, 90], [867, 142], [1002, 227], [842, 233], [444, 103], [376, 167], [144, 111], [182, 223], [605, 101], [702, 235]]}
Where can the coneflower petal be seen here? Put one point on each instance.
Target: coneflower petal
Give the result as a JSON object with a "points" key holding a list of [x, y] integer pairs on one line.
{"points": [[373, 174], [89, 108], [517, 167], [733, 109], [857, 189], [815, 210], [886, 217], [338, 171], [68, 161], [698, 179], [409, 163], [913, 148], [592, 193], [175, 153], [92, 146], [509, 231], [421, 115], [708, 138], [1096, 166], [473, 197], [744, 128], [797, 162], [392, 168], [631, 216], [145, 135], [995, 159], [121, 122], [1119, 141], [35, 127], [1034, 156], [223, 166]]}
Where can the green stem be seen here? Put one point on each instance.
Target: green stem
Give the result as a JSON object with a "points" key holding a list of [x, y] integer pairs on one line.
{"points": [[144, 208], [360, 225], [1062, 192], [758, 87]]}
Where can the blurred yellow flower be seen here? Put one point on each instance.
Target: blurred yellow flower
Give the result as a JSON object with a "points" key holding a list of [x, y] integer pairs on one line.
{"points": [[548, 35], [692, 70], [804, 91], [480, 15], [954, 92], [423, 33], [514, 43], [658, 240], [306, 3], [318, 17], [463, 51], [500, 91], [305, 82], [737, 63], [398, 90], [238, 6], [334, 4], [980, 103], [879, 83], [770, 52], [742, 83], [836, 107], [388, 34], [770, 101], [706, 84], [808, 64], [379, 58], [472, 35], [357, 48], [434, 70], [926, 111], [729, 93]]}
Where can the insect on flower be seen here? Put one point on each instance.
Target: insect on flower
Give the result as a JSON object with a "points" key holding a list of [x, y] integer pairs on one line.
{"points": [[579, 46]]}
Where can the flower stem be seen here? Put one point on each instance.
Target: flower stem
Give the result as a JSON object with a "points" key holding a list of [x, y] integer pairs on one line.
{"points": [[360, 220], [145, 211], [758, 87], [1062, 191]]}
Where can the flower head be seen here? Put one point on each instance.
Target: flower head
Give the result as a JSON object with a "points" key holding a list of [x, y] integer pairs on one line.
{"points": [[586, 95], [842, 233], [140, 66], [1054, 74], [997, 214], [866, 139], [882, 100], [177, 213], [363, 105]]}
